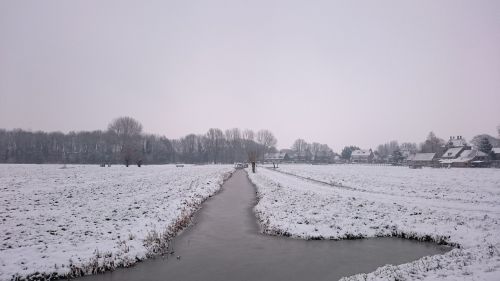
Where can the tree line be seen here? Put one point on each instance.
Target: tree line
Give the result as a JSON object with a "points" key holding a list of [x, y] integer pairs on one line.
{"points": [[124, 142], [310, 150]]}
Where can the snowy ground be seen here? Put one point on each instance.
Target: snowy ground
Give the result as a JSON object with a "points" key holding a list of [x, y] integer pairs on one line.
{"points": [[459, 207], [87, 218]]}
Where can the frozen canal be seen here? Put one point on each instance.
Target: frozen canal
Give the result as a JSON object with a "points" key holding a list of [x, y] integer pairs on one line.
{"points": [[224, 243]]}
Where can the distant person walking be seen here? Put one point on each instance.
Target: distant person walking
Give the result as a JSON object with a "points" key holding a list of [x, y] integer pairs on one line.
{"points": [[252, 157]]}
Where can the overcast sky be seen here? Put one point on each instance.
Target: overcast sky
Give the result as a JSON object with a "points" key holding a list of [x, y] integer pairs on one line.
{"points": [[335, 72]]}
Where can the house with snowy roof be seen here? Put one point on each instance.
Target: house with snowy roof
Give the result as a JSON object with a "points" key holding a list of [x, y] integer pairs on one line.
{"points": [[277, 157], [362, 156], [496, 152], [459, 154], [452, 153], [453, 147], [300, 156], [465, 158], [422, 160]]}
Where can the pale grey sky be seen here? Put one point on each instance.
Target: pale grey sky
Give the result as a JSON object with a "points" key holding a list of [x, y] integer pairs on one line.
{"points": [[336, 72]]}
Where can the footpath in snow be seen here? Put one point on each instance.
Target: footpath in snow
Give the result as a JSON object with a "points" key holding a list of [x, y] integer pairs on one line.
{"points": [[458, 207], [87, 219]]}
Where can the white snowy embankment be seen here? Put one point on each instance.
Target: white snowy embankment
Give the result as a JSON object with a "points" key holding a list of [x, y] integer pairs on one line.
{"points": [[459, 207], [87, 219]]}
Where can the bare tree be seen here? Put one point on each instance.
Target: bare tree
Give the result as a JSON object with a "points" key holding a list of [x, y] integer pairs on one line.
{"points": [[325, 149], [248, 144], [235, 145], [125, 127], [315, 148], [320, 152], [267, 140], [4, 146], [233, 134], [215, 141], [387, 149], [300, 145], [188, 148], [432, 144], [127, 131], [248, 135], [158, 149], [409, 146]]}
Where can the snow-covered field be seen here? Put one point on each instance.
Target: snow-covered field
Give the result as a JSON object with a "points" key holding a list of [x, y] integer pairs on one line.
{"points": [[460, 207], [88, 218]]}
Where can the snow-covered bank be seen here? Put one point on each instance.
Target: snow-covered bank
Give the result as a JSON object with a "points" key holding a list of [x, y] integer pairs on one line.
{"points": [[87, 218], [455, 206]]}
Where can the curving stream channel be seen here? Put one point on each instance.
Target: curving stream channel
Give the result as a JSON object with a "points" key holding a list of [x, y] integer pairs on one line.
{"points": [[224, 243]]}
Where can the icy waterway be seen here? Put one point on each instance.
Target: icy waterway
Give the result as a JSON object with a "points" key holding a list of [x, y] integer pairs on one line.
{"points": [[225, 243]]}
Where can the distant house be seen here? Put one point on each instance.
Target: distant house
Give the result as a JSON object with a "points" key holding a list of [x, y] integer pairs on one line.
{"points": [[362, 156], [496, 152], [453, 147], [277, 157], [466, 158], [422, 160], [452, 153], [459, 154]]}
